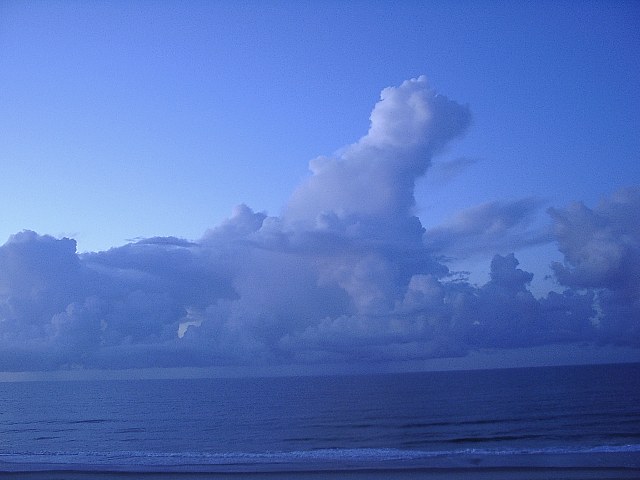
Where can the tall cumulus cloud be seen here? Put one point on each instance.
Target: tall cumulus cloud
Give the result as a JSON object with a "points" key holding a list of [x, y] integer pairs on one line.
{"points": [[347, 273]]}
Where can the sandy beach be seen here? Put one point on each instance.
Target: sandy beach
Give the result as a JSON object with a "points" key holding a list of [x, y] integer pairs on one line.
{"points": [[546, 473], [520, 467]]}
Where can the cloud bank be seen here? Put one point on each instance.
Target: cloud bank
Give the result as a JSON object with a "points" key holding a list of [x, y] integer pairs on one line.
{"points": [[346, 274]]}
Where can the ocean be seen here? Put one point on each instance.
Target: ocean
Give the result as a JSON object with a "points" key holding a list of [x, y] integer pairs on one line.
{"points": [[511, 423]]}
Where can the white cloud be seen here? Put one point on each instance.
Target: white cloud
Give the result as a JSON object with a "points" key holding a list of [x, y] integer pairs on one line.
{"points": [[347, 274], [375, 176]]}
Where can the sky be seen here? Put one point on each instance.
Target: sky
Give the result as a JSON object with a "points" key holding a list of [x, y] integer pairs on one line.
{"points": [[318, 186]]}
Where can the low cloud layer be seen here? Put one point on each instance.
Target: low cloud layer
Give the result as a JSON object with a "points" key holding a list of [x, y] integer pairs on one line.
{"points": [[346, 274]]}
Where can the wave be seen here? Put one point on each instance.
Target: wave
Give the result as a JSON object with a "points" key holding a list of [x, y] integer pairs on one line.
{"points": [[254, 461]]}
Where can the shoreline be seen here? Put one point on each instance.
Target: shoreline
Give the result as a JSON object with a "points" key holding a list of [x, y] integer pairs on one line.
{"points": [[612, 465], [455, 473]]}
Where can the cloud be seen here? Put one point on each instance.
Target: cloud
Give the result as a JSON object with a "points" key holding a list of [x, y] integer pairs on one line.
{"points": [[601, 245], [63, 306], [488, 227], [374, 177], [601, 248], [346, 274], [39, 275], [439, 317]]}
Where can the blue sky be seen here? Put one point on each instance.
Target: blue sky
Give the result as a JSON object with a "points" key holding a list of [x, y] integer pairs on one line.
{"points": [[125, 121]]}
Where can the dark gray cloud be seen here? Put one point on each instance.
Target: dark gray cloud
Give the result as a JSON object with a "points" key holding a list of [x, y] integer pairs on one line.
{"points": [[346, 274]]}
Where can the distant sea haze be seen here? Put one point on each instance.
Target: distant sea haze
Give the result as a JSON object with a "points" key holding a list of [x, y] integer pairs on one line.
{"points": [[585, 418]]}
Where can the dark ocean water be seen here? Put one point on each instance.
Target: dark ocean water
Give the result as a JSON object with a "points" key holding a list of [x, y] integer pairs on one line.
{"points": [[436, 418]]}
